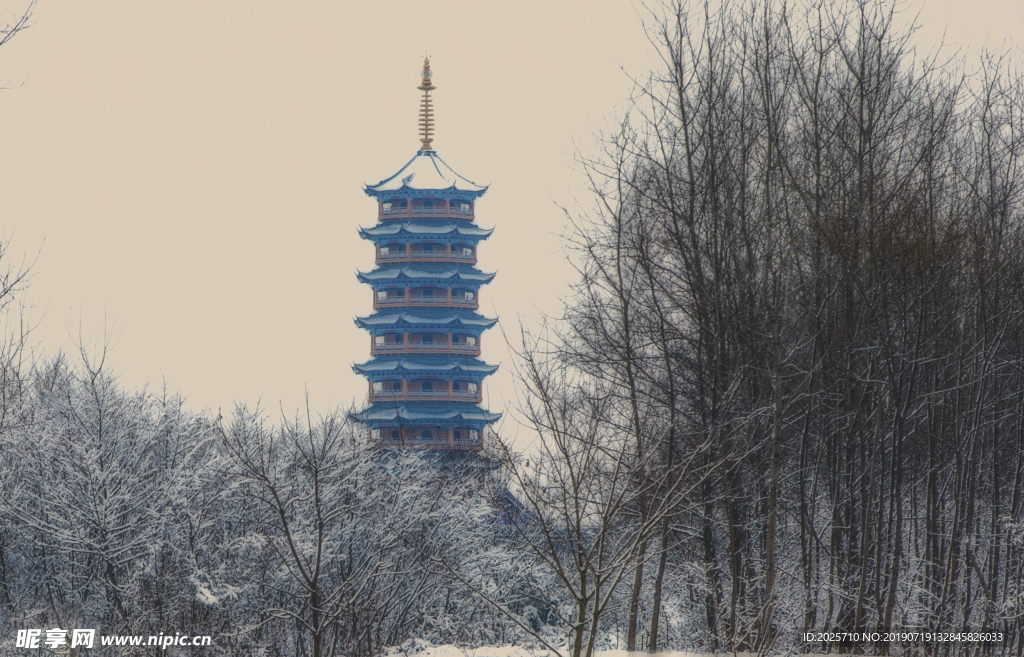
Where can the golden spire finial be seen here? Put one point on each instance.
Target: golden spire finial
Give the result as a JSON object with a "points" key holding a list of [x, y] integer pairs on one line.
{"points": [[426, 110]]}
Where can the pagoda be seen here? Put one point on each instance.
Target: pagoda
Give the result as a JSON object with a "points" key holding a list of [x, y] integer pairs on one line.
{"points": [[425, 375]]}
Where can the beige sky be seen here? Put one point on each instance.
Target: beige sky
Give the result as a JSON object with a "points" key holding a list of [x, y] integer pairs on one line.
{"points": [[193, 170]]}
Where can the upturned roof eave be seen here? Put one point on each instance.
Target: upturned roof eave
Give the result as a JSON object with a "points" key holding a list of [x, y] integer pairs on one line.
{"points": [[431, 158], [422, 276], [407, 320], [385, 231], [405, 191], [378, 412]]}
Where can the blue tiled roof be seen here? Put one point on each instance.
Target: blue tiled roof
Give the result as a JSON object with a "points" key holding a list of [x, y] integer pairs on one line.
{"points": [[413, 228], [423, 275], [449, 414], [438, 363], [410, 320], [426, 171]]}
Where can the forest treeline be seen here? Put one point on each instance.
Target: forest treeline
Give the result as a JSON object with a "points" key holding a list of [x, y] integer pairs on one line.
{"points": [[805, 262], [786, 395], [123, 512]]}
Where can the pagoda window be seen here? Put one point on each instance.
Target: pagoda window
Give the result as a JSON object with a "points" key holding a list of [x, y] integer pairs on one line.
{"points": [[427, 292], [378, 387], [471, 387], [397, 386], [470, 341], [474, 434], [379, 340], [456, 386], [464, 207], [428, 339], [428, 248], [468, 296], [426, 435], [394, 434], [457, 435], [384, 250], [427, 386], [382, 294], [467, 251]]}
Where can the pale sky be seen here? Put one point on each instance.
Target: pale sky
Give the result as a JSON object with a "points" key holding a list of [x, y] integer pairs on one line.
{"points": [[193, 171]]}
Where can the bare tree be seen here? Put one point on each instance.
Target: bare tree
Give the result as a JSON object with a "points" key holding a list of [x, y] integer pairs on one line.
{"points": [[589, 495], [804, 251], [339, 539], [89, 489]]}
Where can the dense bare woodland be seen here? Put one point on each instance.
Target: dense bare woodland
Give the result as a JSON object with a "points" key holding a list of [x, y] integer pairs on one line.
{"points": [[786, 395], [806, 263]]}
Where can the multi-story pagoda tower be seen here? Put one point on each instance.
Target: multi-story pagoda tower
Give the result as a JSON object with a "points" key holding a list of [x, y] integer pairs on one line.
{"points": [[425, 377]]}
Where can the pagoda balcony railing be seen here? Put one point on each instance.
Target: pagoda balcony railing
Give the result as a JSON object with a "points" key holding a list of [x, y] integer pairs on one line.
{"points": [[424, 346], [463, 444], [434, 445], [404, 253], [437, 347], [421, 209], [435, 256], [389, 346], [418, 344], [404, 210], [399, 300], [412, 437], [428, 300], [413, 395]]}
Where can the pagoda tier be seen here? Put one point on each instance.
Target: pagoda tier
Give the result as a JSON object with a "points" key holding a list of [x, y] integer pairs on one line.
{"points": [[430, 425], [426, 274], [425, 380], [423, 241]]}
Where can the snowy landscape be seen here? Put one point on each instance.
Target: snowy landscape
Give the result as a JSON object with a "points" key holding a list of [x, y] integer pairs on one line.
{"points": [[779, 412]]}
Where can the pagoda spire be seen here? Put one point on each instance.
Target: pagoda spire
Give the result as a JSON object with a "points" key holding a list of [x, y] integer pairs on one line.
{"points": [[426, 108]]}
